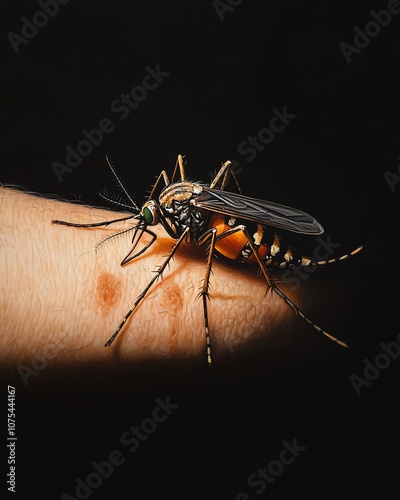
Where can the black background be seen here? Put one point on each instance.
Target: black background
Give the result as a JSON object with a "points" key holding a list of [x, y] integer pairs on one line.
{"points": [[225, 78]]}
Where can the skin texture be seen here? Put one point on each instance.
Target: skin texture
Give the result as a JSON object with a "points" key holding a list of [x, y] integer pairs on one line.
{"points": [[62, 299]]}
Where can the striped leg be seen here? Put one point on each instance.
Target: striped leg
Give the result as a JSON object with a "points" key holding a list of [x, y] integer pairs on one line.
{"points": [[271, 284], [179, 164], [223, 174], [211, 234], [149, 285], [339, 259], [307, 262]]}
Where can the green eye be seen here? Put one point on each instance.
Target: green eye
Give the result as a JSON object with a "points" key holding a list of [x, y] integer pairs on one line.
{"points": [[148, 215]]}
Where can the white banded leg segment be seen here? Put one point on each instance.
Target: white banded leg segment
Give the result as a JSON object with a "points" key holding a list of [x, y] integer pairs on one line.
{"points": [[212, 236], [339, 259], [273, 286]]}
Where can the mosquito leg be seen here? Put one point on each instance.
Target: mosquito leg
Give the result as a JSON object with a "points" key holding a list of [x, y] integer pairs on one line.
{"points": [[222, 172], [307, 262], [164, 175], [149, 285], [271, 284], [181, 168], [339, 259], [97, 224], [206, 282], [229, 172], [286, 299], [236, 182]]}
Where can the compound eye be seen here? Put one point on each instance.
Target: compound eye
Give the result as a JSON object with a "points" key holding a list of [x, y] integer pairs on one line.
{"points": [[150, 214]]}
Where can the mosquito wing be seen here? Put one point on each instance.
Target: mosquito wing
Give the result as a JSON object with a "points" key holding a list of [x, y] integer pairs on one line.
{"points": [[265, 213]]}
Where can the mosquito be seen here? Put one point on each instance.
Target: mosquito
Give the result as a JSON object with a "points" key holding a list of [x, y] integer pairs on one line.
{"points": [[226, 223]]}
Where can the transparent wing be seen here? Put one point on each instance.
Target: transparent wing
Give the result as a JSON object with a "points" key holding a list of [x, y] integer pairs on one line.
{"points": [[265, 213]]}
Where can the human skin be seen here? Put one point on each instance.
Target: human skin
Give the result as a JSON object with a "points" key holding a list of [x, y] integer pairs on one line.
{"points": [[62, 299]]}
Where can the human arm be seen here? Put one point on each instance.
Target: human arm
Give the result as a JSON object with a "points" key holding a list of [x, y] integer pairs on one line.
{"points": [[58, 293]]}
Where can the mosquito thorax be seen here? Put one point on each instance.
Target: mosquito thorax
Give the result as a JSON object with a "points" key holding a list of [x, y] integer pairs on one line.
{"points": [[150, 213]]}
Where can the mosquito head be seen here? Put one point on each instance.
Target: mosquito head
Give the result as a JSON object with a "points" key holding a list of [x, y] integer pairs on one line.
{"points": [[151, 213]]}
